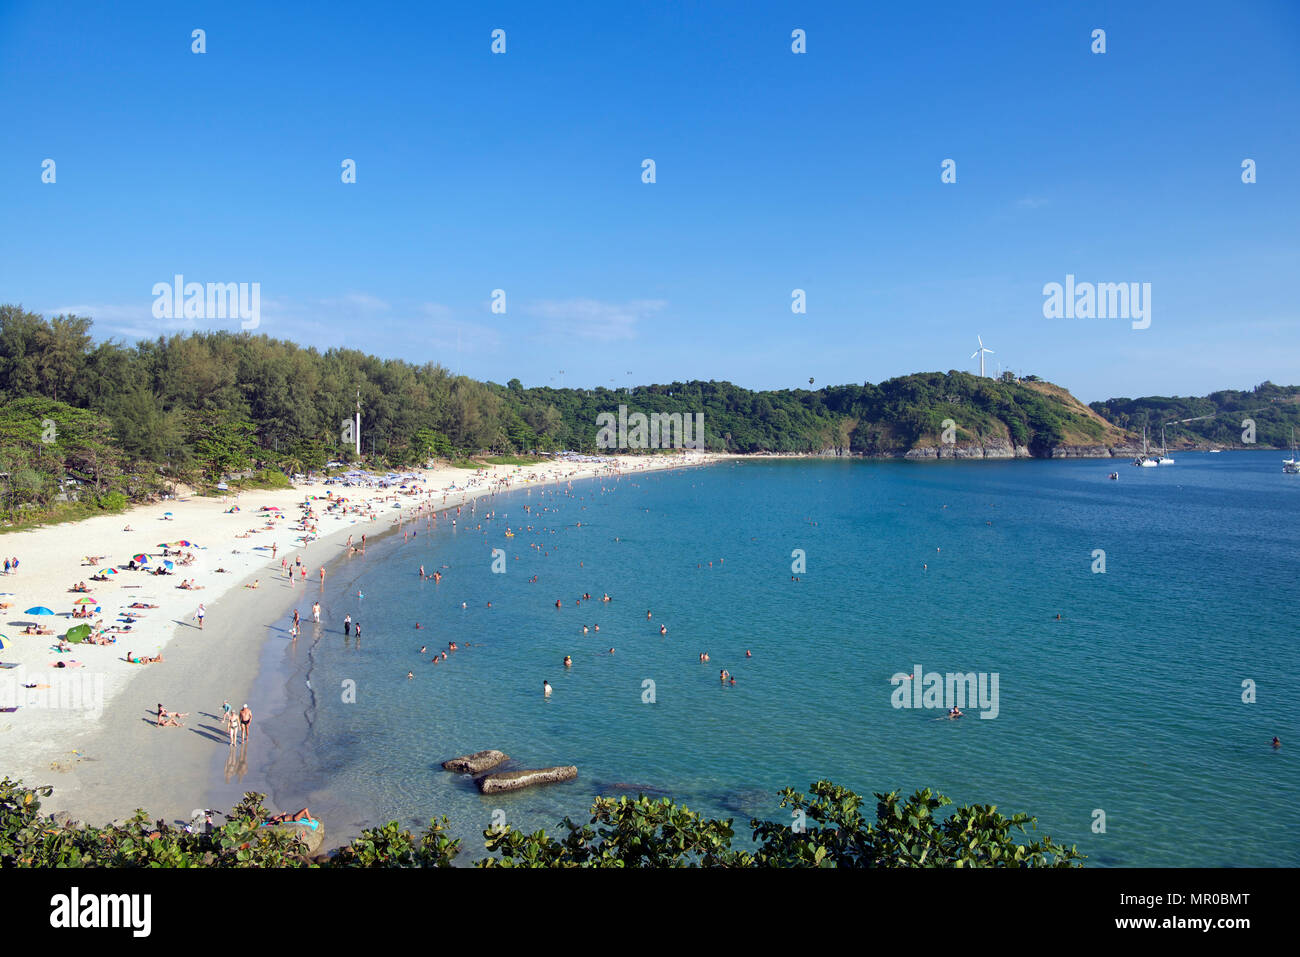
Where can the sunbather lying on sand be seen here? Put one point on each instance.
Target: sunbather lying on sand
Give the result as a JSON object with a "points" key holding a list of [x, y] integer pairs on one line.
{"points": [[140, 604], [290, 818]]}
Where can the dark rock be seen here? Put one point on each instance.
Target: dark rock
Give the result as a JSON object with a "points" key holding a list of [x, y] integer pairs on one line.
{"points": [[475, 763], [312, 840], [514, 780]]}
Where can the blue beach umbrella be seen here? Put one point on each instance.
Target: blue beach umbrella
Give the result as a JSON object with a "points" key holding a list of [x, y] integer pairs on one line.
{"points": [[5, 641], [38, 610]]}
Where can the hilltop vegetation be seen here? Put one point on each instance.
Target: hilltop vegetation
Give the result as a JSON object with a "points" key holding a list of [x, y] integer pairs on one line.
{"points": [[104, 423], [1218, 418]]}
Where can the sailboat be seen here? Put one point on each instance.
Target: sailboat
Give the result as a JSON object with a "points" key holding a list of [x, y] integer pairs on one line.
{"points": [[1145, 460], [1164, 450], [1291, 466]]}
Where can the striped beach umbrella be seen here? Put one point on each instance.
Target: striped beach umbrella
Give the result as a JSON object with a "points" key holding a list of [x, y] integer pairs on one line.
{"points": [[107, 571], [5, 641], [140, 559], [85, 601]]}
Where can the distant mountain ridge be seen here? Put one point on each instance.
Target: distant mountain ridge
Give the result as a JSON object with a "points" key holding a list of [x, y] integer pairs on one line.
{"points": [[1220, 420]]}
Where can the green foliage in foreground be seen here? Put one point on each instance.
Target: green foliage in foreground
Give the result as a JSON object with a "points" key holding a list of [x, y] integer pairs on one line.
{"points": [[827, 829]]}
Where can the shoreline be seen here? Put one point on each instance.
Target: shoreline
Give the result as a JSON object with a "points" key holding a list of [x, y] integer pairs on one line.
{"points": [[99, 747]]}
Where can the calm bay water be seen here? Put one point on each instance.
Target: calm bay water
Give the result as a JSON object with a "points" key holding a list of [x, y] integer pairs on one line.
{"points": [[1131, 704]]}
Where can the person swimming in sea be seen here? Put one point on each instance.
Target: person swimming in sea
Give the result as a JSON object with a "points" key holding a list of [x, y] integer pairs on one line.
{"points": [[954, 712], [663, 629], [568, 661], [546, 688], [1277, 742]]}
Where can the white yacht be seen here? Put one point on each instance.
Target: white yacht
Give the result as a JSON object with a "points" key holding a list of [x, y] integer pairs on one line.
{"points": [[1145, 460], [1164, 450]]}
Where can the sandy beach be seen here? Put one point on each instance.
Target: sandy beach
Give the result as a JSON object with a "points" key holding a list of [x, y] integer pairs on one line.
{"points": [[89, 728]]}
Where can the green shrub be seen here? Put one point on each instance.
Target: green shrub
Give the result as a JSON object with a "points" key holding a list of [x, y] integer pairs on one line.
{"points": [[112, 502]]}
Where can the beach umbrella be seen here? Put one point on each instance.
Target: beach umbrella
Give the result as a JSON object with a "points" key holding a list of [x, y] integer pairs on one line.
{"points": [[140, 559], [78, 634], [5, 641], [169, 564], [85, 601], [38, 610], [166, 513], [107, 571]]}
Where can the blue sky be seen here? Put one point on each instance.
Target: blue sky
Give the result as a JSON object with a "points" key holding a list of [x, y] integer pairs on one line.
{"points": [[775, 171]]}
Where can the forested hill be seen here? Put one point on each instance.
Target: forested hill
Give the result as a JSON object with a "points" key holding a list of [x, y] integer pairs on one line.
{"points": [[123, 419], [160, 397], [1221, 419]]}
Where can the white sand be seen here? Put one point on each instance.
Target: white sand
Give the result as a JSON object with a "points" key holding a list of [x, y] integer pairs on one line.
{"points": [[90, 733]]}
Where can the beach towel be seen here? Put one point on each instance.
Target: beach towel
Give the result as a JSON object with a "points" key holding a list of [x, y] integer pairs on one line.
{"points": [[311, 824]]}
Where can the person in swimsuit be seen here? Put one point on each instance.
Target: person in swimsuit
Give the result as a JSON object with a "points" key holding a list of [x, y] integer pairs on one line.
{"points": [[347, 625], [287, 818], [245, 721]]}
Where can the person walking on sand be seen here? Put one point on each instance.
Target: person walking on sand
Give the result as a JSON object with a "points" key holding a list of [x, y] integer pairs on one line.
{"points": [[245, 722], [200, 614], [315, 611], [322, 574]]}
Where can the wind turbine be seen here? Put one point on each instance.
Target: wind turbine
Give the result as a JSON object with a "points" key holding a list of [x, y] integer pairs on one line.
{"points": [[980, 352]]}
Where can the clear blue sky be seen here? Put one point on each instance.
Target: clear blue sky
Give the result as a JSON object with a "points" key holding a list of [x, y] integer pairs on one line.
{"points": [[775, 171]]}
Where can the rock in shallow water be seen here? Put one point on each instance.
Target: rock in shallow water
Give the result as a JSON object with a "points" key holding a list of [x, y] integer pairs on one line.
{"points": [[514, 780], [476, 762], [313, 840]]}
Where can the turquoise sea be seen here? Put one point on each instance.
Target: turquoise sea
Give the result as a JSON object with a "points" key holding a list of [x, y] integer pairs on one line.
{"points": [[1131, 704]]}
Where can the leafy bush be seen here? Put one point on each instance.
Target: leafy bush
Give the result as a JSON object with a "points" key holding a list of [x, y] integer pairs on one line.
{"points": [[828, 830], [112, 502]]}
